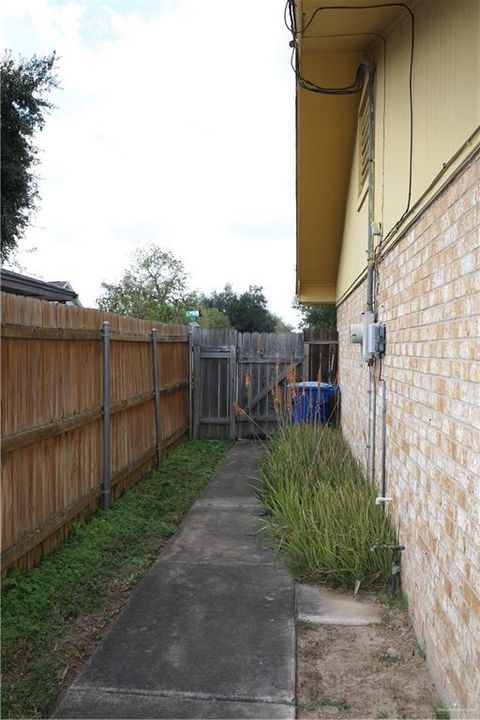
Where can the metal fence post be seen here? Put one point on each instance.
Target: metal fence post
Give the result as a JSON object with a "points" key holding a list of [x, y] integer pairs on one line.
{"points": [[232, 375], [196, 391], [190, 381], [106, 490], [156, 396]]}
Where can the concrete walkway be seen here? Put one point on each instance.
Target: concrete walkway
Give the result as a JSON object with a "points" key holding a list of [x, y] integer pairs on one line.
{"points": [[209, 632]]}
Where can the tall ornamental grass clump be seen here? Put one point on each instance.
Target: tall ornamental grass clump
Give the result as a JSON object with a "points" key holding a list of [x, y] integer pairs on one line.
{"points": [[323, 513]]}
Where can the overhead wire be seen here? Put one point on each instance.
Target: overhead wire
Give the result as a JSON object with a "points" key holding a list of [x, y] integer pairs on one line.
{"points": [[338, 91], [373, 6], [363, 68]]}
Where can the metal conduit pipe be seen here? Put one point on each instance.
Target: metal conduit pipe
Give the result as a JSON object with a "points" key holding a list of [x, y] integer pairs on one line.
{"points": [[374, 422], [370, 184], [372, 400], [369, 423], [384, 439]]}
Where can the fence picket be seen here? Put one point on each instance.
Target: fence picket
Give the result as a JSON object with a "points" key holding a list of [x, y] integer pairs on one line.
{"points": [[51, 422]]}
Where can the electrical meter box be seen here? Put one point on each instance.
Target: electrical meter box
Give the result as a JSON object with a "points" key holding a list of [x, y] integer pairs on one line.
{"points": [[376, 335], [370, 335]]}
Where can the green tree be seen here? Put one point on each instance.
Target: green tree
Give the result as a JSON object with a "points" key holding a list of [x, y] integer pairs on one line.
{"points": [[24, 84], [281, 326], [153, 288], [212, 317], [317, 317], [223, 300], [248, 312]]}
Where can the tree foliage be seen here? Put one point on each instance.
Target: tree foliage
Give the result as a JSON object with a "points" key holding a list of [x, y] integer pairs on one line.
{"points": [[24, 85], [212, 317], [281, 326], [247, 311], [317, 317], [153, 288]]}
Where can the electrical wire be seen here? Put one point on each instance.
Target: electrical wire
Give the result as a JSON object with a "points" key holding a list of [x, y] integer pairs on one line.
{"points": [[375, 6], [367, 66], [362, 69], [354, 87]]}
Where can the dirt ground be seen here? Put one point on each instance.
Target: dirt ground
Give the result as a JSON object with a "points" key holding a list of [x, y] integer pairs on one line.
{"points": [[375, 671]]}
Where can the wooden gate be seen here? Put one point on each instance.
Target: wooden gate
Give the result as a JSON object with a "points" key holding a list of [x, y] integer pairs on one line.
{"points": [[237, 377], [321, 355]]}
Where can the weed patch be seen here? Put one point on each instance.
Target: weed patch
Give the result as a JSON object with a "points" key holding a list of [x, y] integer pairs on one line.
{"points": [[324, 517], [441, 713], [53, 615]]}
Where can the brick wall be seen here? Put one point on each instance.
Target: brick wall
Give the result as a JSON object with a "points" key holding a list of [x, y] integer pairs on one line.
{"points": [[429, 297]]}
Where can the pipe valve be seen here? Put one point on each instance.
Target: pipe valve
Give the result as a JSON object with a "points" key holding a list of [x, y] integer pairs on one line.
{"points": [[381, 500]]}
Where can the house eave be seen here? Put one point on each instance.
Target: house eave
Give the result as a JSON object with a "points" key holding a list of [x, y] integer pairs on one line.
{"points": [[333, 46]]}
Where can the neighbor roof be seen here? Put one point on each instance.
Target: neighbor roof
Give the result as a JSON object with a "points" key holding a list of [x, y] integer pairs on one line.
{"points": [[18, 284]]}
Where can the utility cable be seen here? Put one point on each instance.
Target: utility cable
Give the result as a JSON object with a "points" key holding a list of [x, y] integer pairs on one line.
{"points": [[375, 6], [362, 69]]}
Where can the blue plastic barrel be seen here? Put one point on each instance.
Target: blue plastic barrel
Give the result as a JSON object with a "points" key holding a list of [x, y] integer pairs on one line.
{"points": [[311, 401]]}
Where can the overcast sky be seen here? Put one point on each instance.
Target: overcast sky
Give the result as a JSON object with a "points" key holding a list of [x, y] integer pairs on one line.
{"points": [[175, 125]]}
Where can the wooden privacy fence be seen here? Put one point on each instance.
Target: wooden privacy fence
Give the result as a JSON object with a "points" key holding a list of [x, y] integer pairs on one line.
{"points": [[65, 430], [235, 376], [321, 355], [238, 377]]}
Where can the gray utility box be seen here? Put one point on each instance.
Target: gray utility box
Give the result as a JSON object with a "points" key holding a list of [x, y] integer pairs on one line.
{"points": [[370, 335]]}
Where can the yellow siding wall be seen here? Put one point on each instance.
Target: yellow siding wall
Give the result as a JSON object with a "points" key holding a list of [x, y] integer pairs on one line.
{"points": [[446, 96], [353, 256]]}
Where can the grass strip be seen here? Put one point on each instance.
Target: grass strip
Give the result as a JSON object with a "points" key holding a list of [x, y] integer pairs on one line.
{"points": [[323, 512], [54, 614]]}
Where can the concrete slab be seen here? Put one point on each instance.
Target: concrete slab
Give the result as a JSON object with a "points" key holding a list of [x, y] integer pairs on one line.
{"points": [[200, 629], [235, 481], [224, 491], [220, 535], [324, 606], [209, 632], [100, 704]]}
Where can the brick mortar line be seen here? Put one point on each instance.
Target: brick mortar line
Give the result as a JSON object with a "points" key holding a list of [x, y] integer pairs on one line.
{"points": [[382, 260], [411, 298], [422, 406], [411, 227], [444, 546], [441, 575], [406, 261], [428, 390], [425, 372], [433, 255], [395, 294], [428, 373], [426, 423], [417, 238], [433, 462], [430, 409]]}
